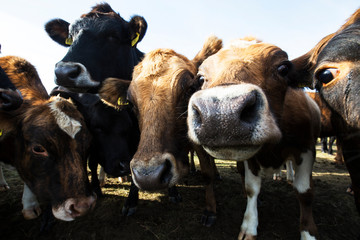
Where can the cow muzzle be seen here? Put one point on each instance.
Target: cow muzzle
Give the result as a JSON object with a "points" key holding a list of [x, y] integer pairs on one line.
{"points": [[10, 99], [231, 122], [74, 207], [162, 171], [74, 75]]}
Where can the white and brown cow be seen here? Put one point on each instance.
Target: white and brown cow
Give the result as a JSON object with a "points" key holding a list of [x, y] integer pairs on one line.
{"points": [[50, 145], [246, 112], [333, 68]]}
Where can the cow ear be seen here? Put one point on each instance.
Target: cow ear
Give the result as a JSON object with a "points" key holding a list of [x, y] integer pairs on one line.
{"points": [[114, 92], [138, 28], [300, 75], [58, 30]]}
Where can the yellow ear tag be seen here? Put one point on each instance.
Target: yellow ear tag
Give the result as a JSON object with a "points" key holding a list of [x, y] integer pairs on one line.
{"points": [[69, 41], [135, 40], [122, 102], [1, 132]]}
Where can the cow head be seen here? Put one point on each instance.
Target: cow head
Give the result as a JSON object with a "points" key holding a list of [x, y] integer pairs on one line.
{"points": [[236, 111], [102, 44], [10, 98], [333, 68], [54, 148], [49, 147]]}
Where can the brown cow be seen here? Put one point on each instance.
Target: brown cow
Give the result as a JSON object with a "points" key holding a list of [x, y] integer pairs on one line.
{"points": [[246, 111], [160, 90], [333, 68], [49, 147]]}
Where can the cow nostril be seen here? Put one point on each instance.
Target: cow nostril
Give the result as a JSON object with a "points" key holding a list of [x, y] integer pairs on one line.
{"points": [[197, 121], [166, 174], [249, 112], [75, 72]]}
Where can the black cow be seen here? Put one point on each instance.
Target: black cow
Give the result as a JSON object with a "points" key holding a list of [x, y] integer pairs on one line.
{"points": [[102, 44], [114, 129]]}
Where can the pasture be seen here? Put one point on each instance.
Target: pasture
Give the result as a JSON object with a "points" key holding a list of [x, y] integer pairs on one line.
{"points": [[158, 219]]}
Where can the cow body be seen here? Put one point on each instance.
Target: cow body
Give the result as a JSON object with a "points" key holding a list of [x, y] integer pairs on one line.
{"points": [[333, 68], [102, 44], [246, 112], [49, 146]]}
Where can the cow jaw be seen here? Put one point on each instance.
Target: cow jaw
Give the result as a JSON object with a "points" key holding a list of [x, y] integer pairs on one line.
{"points": [[231, 122]]}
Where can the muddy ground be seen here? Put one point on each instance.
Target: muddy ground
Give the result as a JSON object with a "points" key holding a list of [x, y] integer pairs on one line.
{"points": [[157, 218]]}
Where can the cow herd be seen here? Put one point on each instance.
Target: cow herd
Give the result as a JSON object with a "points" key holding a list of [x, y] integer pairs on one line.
{"points": [[141, 114]]}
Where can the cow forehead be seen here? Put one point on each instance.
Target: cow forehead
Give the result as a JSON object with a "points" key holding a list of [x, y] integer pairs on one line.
{"points": [[98, 24], [66, 123], [239, 53], [343, 46]]}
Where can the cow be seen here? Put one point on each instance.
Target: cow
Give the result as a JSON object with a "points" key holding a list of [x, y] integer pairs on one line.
{"points": [[159, 92], [10, 100], [114, 130], [246, 111], [101, 45], [328, 120], [332, 67], [50, 145]]}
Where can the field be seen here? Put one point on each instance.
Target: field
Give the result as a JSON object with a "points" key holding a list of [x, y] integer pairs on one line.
{"points": [[157, 218]]}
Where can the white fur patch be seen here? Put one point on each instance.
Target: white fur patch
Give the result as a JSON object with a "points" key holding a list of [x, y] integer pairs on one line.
{"points": [[241, 43], [66, 123], [250, 220], [303, 172], [306, 236]]}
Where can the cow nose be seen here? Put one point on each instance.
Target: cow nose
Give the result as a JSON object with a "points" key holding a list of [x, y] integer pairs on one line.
{"points": [[78, 207], [156, 175], [10, 99], [66, 73], [218, 119]]}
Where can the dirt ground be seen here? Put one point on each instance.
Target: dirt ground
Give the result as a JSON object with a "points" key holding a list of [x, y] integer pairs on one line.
{"points": [[157, 218]]}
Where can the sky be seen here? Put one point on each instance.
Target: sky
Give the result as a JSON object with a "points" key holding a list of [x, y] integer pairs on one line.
{"points": [[294, 26]]}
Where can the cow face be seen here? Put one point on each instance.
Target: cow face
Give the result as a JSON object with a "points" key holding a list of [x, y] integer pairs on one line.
{"points": [[102, 44], [235, 114], [54, 145], [336, 74], [160, 89], [10, 98]]}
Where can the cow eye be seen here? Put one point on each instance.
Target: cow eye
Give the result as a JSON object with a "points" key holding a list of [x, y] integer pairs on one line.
{"points": [[284, 69], [39, 150], [325, 76], [200, 80]]}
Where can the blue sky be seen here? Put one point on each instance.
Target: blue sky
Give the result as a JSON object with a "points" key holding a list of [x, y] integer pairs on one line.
{"points": [[295, 26]]}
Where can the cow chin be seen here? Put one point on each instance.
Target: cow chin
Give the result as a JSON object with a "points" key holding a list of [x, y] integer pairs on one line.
{"points": [[240, 153], [73, 208]]}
